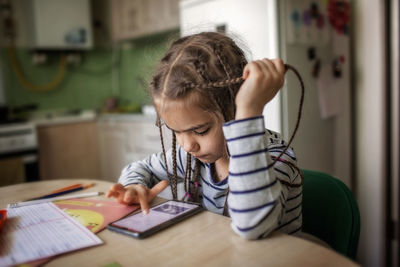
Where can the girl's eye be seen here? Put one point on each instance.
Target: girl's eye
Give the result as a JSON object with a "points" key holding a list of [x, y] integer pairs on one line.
{"points": [[202, 132]]}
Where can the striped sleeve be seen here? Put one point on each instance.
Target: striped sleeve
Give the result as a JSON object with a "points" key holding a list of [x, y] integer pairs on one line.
{"points": [[257, 196], [152, 169]]}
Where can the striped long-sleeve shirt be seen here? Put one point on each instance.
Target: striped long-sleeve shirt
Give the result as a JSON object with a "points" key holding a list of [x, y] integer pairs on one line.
{"points": [[261, 197]]}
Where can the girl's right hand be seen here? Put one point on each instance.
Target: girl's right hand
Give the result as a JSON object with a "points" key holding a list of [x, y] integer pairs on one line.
{"points": [[263, 79], [136, 194]]}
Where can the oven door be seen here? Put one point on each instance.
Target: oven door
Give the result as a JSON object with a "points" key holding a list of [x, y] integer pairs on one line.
{"points": [[18, 153], [19, 167]]}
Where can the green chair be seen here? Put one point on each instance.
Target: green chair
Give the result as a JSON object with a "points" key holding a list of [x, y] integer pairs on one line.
{"points": [[330, 212]]}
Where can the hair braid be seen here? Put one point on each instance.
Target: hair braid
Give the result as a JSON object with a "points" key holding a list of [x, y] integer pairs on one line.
{"points": [[188, 172], [201, 69], [165, 158], [222, 60], [174, 183], [218, 84], [196, 176], [191, 185]]}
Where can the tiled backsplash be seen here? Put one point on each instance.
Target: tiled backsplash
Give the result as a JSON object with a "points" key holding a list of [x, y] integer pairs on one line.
{"points": [[88, 84]]}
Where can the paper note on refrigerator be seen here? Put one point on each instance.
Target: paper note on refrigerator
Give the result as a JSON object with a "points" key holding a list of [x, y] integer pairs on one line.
{"points": [[40, 231], [329, 93]]}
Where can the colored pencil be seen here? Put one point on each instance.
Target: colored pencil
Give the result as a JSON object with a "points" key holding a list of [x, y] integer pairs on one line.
{"points": [[66, 190], [38, 201]]}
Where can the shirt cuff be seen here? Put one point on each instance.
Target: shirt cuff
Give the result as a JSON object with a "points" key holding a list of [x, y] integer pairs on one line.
{"points": [[248, 126]]}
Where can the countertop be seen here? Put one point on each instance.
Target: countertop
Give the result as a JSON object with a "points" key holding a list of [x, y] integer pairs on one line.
{"points": [[87, 116]]}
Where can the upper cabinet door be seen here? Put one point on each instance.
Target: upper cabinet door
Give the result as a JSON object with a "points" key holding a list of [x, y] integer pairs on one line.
{"points": [[136, 18]]}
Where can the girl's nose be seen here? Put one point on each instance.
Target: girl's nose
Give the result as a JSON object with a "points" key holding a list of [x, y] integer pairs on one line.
{"points": [[190, 144]]}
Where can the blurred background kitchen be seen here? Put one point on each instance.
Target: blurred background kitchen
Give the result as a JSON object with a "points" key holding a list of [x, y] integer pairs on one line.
{"points": [[74, 77]]}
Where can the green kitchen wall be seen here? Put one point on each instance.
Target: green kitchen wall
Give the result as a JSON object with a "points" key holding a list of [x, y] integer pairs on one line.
{"points": [[122, 71]]}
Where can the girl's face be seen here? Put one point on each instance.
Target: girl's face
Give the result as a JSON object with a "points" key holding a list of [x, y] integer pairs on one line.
{"points": [[198, 132]]}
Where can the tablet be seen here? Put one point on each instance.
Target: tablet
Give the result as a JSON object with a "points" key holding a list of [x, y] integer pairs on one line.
{"points": [[160, 217]]}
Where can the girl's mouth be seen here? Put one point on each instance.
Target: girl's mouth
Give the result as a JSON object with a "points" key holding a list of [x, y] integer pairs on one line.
{"points": [[200, 156]]}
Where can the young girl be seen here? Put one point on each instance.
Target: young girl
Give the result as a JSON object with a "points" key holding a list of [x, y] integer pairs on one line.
{"points": [[212, 100]]}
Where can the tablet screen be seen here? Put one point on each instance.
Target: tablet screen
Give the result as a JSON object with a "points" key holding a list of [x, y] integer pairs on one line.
{"points": [[139, 222]]}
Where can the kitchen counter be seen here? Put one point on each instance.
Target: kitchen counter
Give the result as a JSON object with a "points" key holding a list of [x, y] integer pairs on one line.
{"points": [[59, 118], [126, 117], [87, 116]]}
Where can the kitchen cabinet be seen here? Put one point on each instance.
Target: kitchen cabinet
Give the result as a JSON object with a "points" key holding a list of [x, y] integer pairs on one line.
{"points": [[128, 19], [111, 147], [68, 150], [123, 140], [99, 148]]}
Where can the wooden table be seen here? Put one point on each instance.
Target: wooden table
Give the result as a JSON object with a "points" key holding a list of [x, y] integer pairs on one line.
{"points": [[205, 239]]}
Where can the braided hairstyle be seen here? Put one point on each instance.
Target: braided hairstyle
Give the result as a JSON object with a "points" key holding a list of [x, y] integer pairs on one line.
{"points": [[208, 65]]}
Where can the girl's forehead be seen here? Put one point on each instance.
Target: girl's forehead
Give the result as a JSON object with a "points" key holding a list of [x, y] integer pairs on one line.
{"points": [[188, 102], [181, 109], [179, 115]]}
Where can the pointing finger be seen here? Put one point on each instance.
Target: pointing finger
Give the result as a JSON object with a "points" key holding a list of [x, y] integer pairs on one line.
{"points": [[144, 204]]}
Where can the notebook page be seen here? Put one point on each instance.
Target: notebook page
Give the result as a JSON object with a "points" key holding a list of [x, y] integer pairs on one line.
{"points": [[40, 231]]}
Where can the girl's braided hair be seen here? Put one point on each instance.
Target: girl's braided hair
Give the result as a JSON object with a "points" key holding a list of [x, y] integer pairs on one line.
{"points": [[209, 65]]}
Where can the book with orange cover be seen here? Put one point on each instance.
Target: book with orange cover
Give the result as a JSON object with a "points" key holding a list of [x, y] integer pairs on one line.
{"points": [[95, 214]]}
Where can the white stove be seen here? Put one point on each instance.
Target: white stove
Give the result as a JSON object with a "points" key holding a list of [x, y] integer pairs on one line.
{"points": [[17, 137], [19, 140]]}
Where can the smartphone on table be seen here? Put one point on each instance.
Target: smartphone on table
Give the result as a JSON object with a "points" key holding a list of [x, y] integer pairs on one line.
{"points": [[160, 217]]}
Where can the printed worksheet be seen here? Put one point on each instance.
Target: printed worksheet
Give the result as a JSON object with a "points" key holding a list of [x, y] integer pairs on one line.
{"points": [[40, 231]]}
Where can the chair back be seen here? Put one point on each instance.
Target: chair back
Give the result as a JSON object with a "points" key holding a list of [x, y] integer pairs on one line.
{"points": [[330, 212]]}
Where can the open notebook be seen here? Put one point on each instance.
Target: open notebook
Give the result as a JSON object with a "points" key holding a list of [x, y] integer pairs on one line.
{"points": [[93, 214], [41, 231]]}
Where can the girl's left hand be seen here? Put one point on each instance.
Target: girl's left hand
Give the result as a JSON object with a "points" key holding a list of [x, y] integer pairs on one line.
{"points": [[263, 79]]}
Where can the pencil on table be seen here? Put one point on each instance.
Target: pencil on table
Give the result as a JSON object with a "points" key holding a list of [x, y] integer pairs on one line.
{"points": [[66, 190], [38, 201]]}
